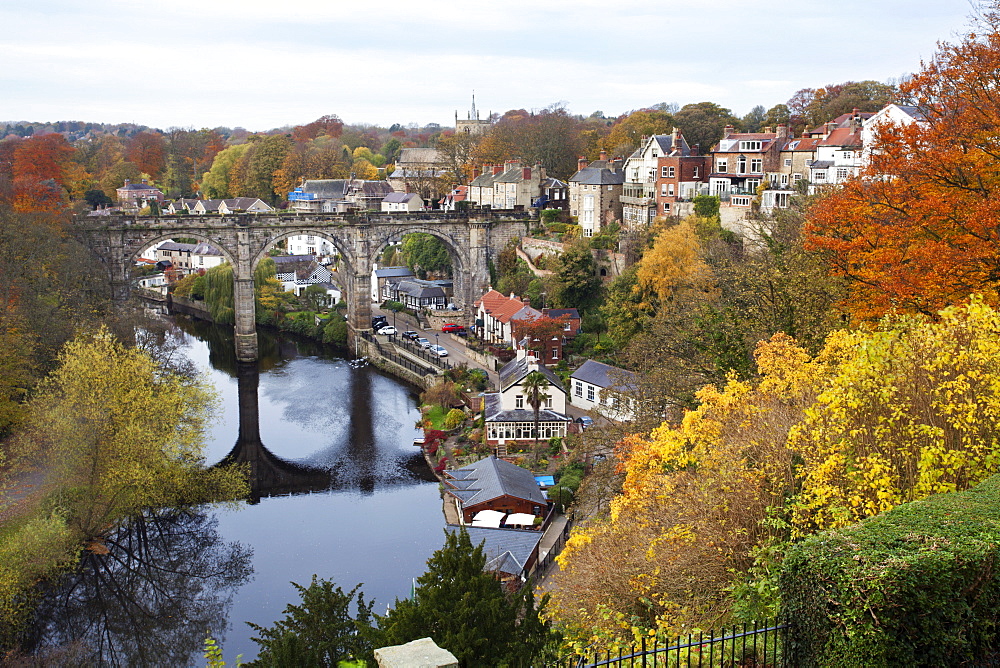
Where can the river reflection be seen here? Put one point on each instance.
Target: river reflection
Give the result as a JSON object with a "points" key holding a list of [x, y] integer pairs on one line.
{"points": [[166, 580], [338, 490]]}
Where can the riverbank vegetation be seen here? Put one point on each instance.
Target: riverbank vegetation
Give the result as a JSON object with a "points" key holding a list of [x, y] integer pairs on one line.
{"points": [[107, 434]]}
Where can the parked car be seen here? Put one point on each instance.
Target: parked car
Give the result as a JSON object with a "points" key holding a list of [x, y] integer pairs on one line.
{"points": [[386, 330], [378, 321], [585, 422], [452, 327], [411, 335], [439, 350], [423, 342]]}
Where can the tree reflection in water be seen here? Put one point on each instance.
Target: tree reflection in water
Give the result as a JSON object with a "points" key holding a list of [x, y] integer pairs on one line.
{"points": [[166, 581]]}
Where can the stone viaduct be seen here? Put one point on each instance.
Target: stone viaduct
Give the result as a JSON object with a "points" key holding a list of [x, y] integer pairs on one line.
{"points": [[473, 240]]}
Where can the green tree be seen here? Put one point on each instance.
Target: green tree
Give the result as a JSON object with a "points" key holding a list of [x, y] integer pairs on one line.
{"points": [[576, 282], [219, 295], [706, 206], [424, 253], [466, 611], [702, 123], [215, 182], [321, 631]]}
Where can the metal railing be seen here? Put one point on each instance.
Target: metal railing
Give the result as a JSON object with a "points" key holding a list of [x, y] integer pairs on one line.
{"points": [[421, 352], [749, 645]]}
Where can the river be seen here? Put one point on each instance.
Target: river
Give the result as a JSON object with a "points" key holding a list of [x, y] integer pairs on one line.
{"points": [[339, 491]]}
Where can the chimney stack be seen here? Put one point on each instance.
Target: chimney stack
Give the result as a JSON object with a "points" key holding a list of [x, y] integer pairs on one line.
{"points": [[782, 131], [475, 173], [497, 169], [604, 154], [580, 164], [728, 130]]}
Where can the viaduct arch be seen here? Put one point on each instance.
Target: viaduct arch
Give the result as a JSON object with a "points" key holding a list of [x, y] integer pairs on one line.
{"points": [[472, 239]]}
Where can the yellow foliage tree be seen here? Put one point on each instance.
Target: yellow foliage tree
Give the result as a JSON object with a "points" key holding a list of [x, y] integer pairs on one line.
{"points": [[118, 435], [674, 267], [692, 507], [913, 411]]}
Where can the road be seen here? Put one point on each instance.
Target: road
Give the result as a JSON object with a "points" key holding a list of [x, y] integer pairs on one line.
{"points": [[456, 351]]}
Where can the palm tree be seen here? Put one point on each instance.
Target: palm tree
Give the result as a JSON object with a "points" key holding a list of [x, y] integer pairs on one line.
{"points": [[534, 385]]}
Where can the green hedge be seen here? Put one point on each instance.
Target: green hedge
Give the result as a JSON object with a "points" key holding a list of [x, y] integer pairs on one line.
{"points": [[917, 586]]}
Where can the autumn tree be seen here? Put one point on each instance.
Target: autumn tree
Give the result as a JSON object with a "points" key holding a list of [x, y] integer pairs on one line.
{"points": [[628, 131], [120, 435], [148, 152], [215, 182], [918, 231], [41, 173], [692, 508], [252, 175]]}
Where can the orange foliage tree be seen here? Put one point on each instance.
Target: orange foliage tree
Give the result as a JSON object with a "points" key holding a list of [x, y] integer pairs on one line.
{"points": [[148, 150], [41, 169], [919, 230]]}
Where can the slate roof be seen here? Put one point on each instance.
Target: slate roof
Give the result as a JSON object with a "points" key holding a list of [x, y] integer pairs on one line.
{"points": [[421, 156], [210, 204], [205, 249], [245, 203], [139, 186], [601, 375], [289, 259], [177, 246], [493, 412], [389, 272], [484, 180], [416, 289], [516, 369], [492, 478], [326, 188], [598, 174], [506, 550], [399, 198], [556, 313], [821, 164]]}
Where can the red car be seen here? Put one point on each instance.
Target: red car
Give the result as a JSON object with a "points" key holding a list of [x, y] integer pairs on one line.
{"points": [[452, 327]]}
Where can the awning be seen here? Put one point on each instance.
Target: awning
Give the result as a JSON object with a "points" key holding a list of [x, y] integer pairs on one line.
{"points": [[520, 519], [488, 518]]}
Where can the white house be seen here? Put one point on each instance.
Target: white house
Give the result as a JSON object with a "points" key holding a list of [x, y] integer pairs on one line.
{"points": [[508, 414], [298, 272], [383, 278], [205, 256], [896, 115], [309, 244], [602, 387], [244, 205], [497, 316], [394, 202]]}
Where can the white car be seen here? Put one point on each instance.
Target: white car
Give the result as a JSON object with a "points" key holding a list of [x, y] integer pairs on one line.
{"points": [[424, 343], [439, 350], [388, 330]]}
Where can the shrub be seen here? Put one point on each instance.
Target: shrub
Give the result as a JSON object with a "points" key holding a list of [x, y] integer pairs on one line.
{"points": [[916, 586], [454, 418]]}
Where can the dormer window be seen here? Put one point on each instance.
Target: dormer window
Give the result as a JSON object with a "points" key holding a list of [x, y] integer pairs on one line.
{"points": [[750, 145]]}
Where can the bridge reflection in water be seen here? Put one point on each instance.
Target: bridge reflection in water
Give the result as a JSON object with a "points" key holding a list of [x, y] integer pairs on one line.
{"points": [[357, 462]]}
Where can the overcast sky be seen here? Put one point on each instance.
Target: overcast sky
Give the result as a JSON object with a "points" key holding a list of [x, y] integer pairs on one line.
{"points": [[259, 65]]}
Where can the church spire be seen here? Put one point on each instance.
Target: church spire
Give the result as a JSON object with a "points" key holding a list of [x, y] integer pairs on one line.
{"points": [[473, 114]]}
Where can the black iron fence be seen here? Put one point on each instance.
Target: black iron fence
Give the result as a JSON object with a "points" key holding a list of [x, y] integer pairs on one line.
{"points": [[387, 352], [746, 646]]}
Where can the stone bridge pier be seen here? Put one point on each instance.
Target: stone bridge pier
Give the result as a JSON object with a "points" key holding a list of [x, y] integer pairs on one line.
{"points": [[472, 240]]}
